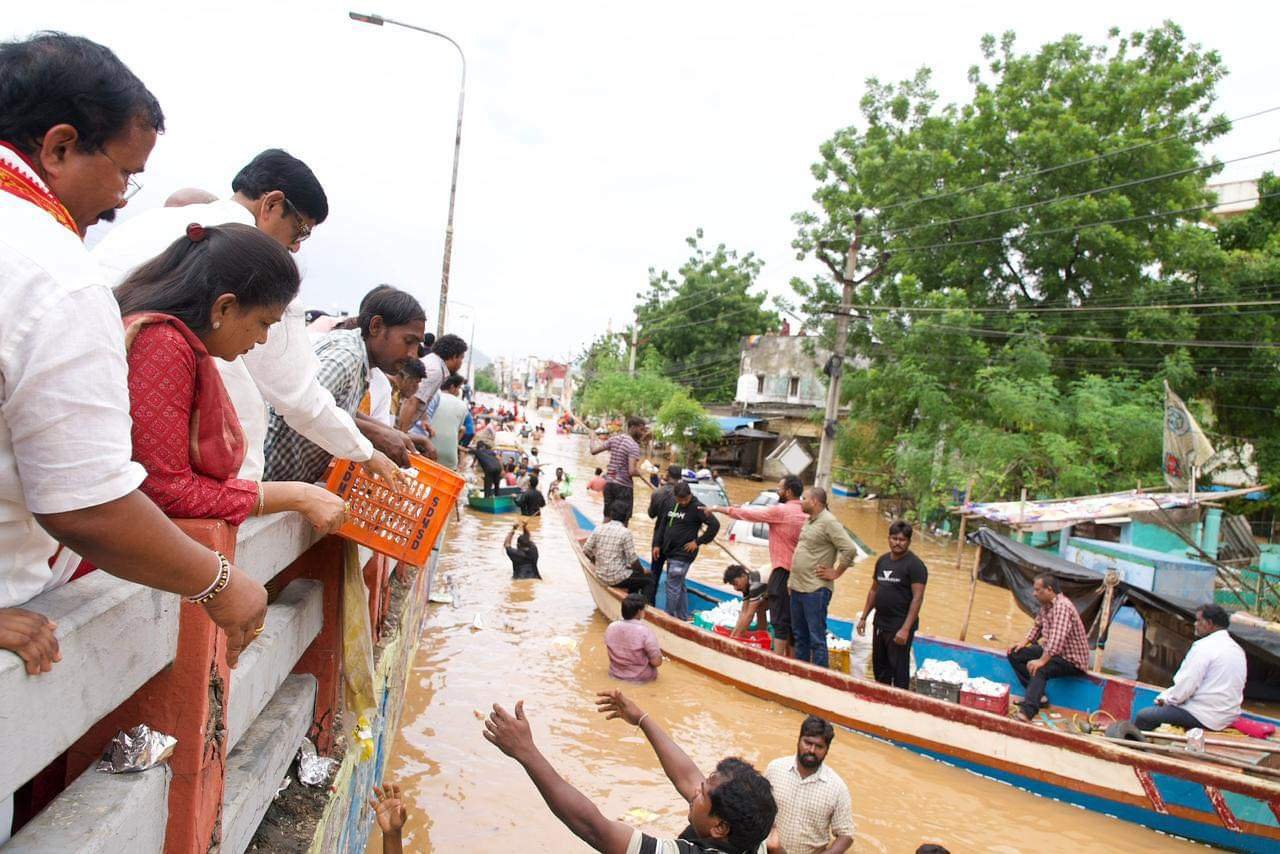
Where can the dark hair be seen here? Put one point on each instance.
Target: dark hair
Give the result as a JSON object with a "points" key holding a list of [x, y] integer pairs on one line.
{"points": [[186, 278], [276, 169], [733, 571], [794, 485], [53, 79], [599, 472], [744, 801], [428, 341], [1049, 580], [533, 481], [632, 605], [901, 528], [449, 347], [413, 369], [815, 726], [450, 382], [524, 541], [395, 307], [931, 848], [675, 472], [617, 511], [634, 421], [1215, 614], [681, 490]]}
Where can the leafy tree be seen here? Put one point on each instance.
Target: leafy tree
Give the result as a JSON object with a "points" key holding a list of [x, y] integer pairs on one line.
{"points": [[486, 381], [616, 393], [692, 322], [683, 422]]}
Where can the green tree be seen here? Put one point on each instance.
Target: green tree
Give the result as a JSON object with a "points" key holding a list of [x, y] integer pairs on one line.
{"points": [[486, 381], [684, 423], [691, 323], [617, 393]]}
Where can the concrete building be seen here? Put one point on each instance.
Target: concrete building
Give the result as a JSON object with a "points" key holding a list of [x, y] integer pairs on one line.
{"points": [[781, 370]]}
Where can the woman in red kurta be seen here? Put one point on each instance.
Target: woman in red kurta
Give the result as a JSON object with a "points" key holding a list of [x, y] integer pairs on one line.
{"points": [[213, 293]]}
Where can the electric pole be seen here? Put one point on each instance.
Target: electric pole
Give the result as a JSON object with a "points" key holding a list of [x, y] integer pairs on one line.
{"points": [[827, 449]]}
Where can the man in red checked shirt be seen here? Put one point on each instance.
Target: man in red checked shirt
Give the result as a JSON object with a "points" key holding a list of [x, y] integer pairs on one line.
{"points": [[1062, 650]]}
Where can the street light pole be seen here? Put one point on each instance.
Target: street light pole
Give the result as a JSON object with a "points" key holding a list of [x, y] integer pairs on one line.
{"points": [[378, 20]]}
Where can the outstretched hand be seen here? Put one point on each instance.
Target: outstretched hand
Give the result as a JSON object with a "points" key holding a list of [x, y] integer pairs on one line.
{"points": [[510, 733], [388, 807], [614, 704]]}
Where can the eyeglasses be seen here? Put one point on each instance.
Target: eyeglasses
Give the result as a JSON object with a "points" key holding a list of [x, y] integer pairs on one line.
{"points": [[132, 184], [304, 230]]}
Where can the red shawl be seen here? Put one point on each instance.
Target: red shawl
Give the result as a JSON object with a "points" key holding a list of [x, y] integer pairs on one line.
{"points": [[217, 442], [16, 182]]}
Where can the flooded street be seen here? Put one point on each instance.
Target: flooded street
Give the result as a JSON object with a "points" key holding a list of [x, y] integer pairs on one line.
{"points": [[543, 642]]}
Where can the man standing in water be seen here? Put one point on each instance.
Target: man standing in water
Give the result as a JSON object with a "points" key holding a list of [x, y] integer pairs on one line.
{"points": [[785, 520], [897, 592], [731, 811], [624, 461], [815, 813]]}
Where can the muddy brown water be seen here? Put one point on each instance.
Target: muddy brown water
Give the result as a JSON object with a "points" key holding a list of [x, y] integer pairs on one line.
{"points": [[543, 642]]}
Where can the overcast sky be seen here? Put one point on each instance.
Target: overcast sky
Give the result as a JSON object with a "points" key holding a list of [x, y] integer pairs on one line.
{"points": [[596, 137]]}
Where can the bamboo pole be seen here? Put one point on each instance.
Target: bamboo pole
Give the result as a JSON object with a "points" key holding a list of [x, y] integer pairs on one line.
{"points": [[1112, 579], [1264, 747], [1179, 753], [964, 523], [973, 589]]}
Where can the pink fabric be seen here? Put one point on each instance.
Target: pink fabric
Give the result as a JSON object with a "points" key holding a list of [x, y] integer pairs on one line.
{"points": [[631, 645], [1253, 729], [786, 522]]}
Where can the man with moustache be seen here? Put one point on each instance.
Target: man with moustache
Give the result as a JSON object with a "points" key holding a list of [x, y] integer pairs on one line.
{"points": [[815, 813]]}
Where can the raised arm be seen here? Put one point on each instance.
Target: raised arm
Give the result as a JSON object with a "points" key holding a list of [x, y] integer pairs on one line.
{"points": [[679, 768]]}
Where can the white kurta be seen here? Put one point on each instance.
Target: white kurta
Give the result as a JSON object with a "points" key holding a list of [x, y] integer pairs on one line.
{"points": [[281, 372], [1210, 683], [64, 443]]}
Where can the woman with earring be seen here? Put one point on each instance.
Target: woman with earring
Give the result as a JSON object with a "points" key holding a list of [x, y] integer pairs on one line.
{"points": [[213, 293]]}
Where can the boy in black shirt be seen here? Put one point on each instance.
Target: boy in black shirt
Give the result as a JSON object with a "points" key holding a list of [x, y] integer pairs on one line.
{"points": [[897, 592], [753, 590]]}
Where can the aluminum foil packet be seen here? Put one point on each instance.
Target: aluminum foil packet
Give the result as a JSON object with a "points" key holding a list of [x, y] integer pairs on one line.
{"points": [[313, 769], [136, 750]]}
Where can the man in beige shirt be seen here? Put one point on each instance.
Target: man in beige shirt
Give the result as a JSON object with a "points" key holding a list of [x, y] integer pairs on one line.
{"points": [[815, 812], [824, 545]]}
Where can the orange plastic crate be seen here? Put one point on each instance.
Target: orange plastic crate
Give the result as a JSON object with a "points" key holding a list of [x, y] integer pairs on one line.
{"points": [[999, 705], [403, 524]]}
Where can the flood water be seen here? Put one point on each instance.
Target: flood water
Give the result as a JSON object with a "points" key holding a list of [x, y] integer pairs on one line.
{"points": [[543, 642]]}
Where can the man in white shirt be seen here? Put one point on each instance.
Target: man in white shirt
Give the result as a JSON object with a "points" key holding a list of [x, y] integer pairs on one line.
{"points": [[281, 196], [76, 129], [815, 814], [1208, 688]]}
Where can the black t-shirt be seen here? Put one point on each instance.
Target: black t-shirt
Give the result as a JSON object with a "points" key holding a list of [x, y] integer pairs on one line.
{"points": [[524, 562], [893, 589], [530, 502], [756, 589], [681, 525]]}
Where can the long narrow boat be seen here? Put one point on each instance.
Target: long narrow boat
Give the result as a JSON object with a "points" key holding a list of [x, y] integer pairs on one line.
{"points": [[1208, 803]]}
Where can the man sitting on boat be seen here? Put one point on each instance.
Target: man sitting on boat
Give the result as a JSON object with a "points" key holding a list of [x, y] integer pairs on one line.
{"points": [[1209, 686], [753, 590], [613, 551], [731, 811], [1063, 648], [815, 812]]}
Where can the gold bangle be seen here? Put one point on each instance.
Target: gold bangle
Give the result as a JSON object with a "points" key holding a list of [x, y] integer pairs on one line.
{"points": [[262, 501]]}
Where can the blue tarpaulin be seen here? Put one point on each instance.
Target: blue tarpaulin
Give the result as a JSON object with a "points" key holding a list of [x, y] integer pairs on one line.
{"points": [[728, 423]]}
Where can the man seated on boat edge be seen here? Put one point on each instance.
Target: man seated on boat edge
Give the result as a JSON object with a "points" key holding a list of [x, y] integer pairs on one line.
{"points": [[748, 583], [634, 653], [1208, 688], [612, 551], [1063, 649], [815, 811], [898, 583], [731, 811]]}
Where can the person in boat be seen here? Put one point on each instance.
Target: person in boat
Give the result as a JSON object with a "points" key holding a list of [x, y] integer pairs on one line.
{"points": [[897, 594], [391, 325], [624, 461], [279, 195], [747, 582], [483, 455], [612, 550], [685, 527], [596, 484], [524, 556], [786, 521], [634, 654], [509, 475], [731, 810], [447, 420], [657, 498], [212, 295], [1208, 688], [531, 501], [815, 811], [1057, 646], [824, 551], [444, 359], [76, 127]]}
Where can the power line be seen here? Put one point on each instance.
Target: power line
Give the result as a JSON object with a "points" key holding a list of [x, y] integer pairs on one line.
{"points": [[1055, 309], [1080, 162]]}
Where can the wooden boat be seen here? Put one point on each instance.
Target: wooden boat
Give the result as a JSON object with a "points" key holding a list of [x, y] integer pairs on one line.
{"points": [[492, 504], [1214, 804], [842, 490]]}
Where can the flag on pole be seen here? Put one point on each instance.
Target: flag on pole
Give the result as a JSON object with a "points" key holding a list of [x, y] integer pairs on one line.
{"points": [[1185, 445]]}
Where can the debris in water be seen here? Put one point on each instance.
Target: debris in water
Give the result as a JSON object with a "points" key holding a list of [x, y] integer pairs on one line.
{"points": [[477, 624], [639, 815]]}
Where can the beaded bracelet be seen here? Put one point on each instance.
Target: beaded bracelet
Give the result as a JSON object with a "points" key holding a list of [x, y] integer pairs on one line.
{"points": [[219, 584]]}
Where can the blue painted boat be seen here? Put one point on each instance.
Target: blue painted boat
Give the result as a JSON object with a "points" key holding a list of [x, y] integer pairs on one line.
{"points": [[1224, 806]]}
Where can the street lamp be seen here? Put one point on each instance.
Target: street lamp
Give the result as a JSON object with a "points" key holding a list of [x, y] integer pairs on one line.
{"points": [[378, 20]]}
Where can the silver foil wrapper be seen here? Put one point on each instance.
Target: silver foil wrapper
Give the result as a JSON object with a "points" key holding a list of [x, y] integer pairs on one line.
{"points": [[136, 750], [313, 769]]}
